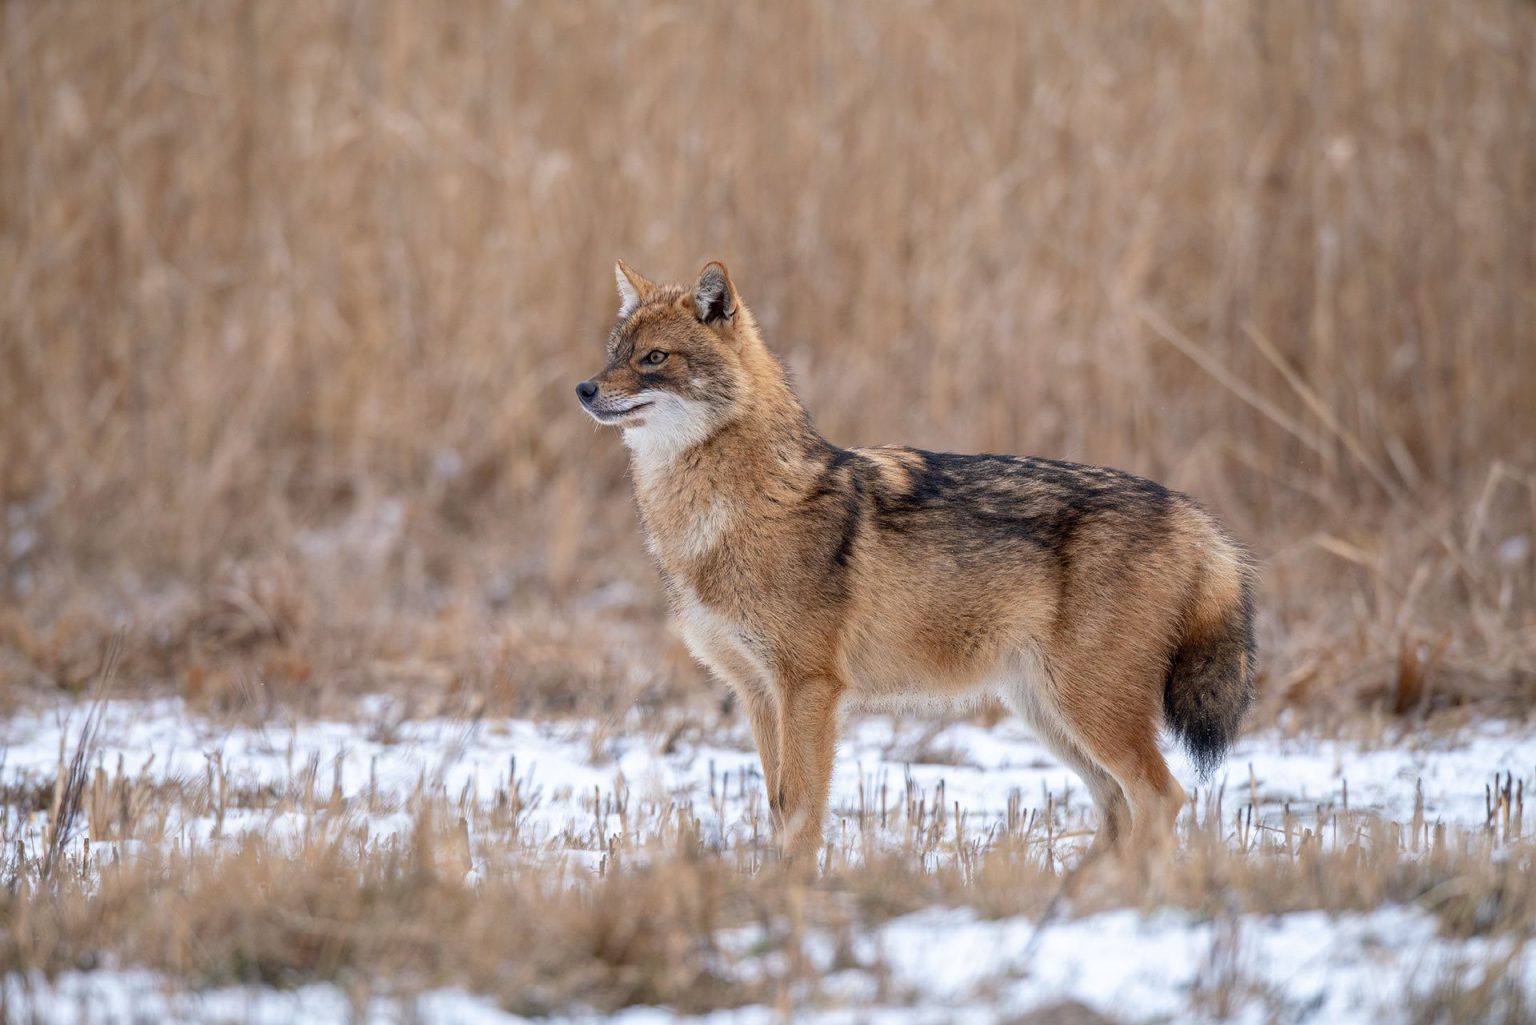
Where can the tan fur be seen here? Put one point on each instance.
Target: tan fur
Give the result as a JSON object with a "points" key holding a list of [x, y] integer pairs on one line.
{"points": [[1092, 602]]}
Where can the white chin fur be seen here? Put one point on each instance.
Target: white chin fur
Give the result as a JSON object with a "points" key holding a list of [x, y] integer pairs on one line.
{"points": [[670, 425]]}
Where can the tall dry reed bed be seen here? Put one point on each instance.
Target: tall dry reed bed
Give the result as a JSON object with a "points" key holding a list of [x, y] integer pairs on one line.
{"points": [[291, 299]]}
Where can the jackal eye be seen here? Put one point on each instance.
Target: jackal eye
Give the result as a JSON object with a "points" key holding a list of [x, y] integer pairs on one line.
{"points": [[654, 358]]}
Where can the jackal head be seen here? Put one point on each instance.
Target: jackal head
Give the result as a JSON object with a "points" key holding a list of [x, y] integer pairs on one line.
{"points": [[675, 371]]}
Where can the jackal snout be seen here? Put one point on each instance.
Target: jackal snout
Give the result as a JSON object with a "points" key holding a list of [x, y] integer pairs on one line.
{"points": [[610, 406]]}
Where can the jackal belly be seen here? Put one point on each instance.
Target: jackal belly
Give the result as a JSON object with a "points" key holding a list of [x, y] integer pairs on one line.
{"points": [[884, 684], [932, 655]]}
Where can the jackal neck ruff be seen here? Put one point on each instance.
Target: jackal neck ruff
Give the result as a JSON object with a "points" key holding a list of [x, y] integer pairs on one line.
{"points": [[755, 466]]}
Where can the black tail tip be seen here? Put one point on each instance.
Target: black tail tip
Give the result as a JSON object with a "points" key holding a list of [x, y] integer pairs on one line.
{"points": [[1207, 745], [1210, 685]]}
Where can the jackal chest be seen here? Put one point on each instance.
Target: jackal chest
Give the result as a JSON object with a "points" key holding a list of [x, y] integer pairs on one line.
{"points": [[727, 645], [683, 533]]}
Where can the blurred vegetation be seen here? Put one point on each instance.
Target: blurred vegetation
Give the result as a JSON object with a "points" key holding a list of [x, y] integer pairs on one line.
{"points": [[292, 298]]}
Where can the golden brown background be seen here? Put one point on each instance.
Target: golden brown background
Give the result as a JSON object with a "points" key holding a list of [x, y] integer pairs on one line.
{"points": [[292, 298]]}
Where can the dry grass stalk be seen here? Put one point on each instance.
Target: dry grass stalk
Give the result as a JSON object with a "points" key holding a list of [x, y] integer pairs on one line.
{"points": [[70, 784]]}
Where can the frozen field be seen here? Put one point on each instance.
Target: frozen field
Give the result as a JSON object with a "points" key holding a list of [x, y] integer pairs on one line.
{"points": [[936, 792], [1300, 967], [571, 778]]}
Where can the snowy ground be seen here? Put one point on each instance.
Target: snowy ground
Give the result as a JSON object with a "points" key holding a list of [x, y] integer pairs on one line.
{"points": [[558, 767], [573, 779], [1299, 967]]}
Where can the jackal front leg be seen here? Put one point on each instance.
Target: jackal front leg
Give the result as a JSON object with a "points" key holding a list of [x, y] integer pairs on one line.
{"points": [[807, 745], [763, 714]]}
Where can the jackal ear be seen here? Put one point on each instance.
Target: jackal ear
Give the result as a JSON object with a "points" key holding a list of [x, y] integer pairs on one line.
{"points": [[633, 288], [714, 297]]}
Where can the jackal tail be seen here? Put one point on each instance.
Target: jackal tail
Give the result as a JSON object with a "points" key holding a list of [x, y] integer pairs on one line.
{"points": [[1211, 675]]}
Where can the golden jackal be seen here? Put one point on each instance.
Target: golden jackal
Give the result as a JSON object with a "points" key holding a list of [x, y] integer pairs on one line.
{"points": [[1095, 604]]}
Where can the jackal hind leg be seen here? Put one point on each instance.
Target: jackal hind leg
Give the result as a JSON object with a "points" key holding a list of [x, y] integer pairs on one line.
{"points": [[1114, 715], [1108, 799]]}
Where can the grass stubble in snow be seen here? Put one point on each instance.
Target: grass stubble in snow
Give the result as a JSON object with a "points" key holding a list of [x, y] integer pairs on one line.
{"points": [[468, 870]]}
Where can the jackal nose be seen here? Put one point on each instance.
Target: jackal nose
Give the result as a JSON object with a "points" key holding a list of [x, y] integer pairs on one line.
{"points": [[587, 391]]}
